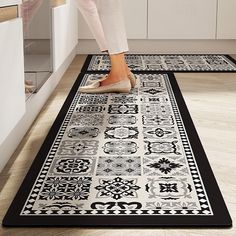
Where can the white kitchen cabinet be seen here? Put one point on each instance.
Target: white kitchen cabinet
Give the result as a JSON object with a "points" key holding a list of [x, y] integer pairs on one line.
{"points": [[226, 14], [64, 32], [135, 16], [83, 29], [182, 19], [12, 91], [4, 3]]}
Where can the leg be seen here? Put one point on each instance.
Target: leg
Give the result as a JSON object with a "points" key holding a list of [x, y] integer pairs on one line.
{"points": [[89, 11], [112, 20], [119, 69], [105, 20]]}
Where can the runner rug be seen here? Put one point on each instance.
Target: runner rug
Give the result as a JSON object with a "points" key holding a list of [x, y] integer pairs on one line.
{"points": [[166, 62], [130, 159]]}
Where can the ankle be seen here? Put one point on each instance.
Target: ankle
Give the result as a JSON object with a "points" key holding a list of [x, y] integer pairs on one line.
{"points": [[119, 73], [128, 70]]}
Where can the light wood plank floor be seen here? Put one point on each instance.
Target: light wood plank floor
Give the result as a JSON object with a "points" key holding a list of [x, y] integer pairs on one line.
{"points": [[211, 100]]}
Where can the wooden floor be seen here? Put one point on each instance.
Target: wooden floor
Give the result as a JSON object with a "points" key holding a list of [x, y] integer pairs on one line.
{"points": [[211, 100]]}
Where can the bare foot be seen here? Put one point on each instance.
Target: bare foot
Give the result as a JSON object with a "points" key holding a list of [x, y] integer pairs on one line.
{"points": [[115, 76], [128, 71]]}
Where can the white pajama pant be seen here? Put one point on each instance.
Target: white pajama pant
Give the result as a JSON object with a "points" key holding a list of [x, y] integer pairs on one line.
{"points": [[106, 22]]}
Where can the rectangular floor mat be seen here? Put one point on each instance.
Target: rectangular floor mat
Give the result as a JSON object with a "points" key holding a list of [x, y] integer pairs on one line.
{"points": [[166, 62], [130, 159]]}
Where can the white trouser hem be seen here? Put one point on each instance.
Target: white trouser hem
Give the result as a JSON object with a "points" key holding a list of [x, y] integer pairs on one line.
{"points": [[105, 20]]}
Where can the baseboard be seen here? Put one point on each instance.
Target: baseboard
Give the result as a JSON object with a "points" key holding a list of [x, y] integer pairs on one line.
{"points": [[89, 46], [33, 106]]}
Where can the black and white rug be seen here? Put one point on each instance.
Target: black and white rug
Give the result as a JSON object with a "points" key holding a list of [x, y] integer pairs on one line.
{"points": [[166, 62], [130, 159]]}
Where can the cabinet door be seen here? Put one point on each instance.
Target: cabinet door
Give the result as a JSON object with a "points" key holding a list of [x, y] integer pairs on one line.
{"points": [[182, 19], [9, 2], [83, 29], [64, 32], [12, 92], [226, 28], [135, 16]]}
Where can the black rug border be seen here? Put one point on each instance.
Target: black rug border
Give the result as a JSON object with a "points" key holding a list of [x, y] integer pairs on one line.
{"points": [[221, 218], [89, 57]]}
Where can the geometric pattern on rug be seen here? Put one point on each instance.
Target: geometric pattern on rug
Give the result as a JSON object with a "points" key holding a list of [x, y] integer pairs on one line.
{"points": [[121, 154], [167, 62], [119, 165]]}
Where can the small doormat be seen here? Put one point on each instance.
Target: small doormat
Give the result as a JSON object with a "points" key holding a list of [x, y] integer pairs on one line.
{"points": [[130, 159], [166, 62]]}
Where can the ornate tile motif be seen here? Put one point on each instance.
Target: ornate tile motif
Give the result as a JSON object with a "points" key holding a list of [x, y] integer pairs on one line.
{"points": [[123, 109], [83, 132], [90, 109], [78, 147], [65, 188], [122, 154], [122, 120], [152, 109], [161, 148], [118, 165], [157, 120], [120, 147], [168, 188], [59, 206], [121, 132], [175, 205], [73, 166], [81, 119], [154, 100], [116, 205], [159, 132], [93, 99], [117, 188], [167, 165], [123, 99], [164, 165]]}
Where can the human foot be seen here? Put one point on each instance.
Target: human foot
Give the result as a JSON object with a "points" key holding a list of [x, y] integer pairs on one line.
{"points": [[114, 77], [128, 71], [122, 86]]}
